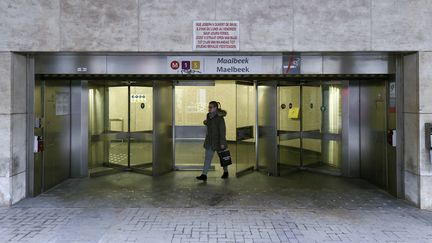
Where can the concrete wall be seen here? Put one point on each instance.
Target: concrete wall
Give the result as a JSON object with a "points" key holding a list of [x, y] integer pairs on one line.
{"points": [[418, 111], [12, 128], [166, 25]]}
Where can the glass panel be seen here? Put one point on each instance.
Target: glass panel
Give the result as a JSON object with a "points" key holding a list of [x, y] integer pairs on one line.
{"points": [[311, 104], [141, 126], [96, 125], [311, 125], [117, 137], [332, 154], [245, 128], [191, 107], [332, 124], [332, 114], [289, 127]]}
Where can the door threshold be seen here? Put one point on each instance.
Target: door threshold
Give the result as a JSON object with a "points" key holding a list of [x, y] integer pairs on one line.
{"points": [[245, 171], [192, 168]]}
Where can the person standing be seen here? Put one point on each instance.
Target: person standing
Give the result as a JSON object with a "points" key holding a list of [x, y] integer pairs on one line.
{"points": [[215, 137]]}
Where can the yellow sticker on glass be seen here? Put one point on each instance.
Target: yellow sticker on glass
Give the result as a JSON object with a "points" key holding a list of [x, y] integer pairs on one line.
{"points": [[294, 113]]}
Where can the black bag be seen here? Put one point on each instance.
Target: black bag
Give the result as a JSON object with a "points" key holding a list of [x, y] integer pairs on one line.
{"points": [[224, 157]]}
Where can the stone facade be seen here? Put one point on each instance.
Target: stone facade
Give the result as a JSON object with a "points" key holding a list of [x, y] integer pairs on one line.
{"points": [[156, 26], [274, 25]]}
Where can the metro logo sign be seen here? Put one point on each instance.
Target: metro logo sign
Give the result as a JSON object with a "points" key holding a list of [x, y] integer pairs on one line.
{"points": [[185, 65], [175, 65]]}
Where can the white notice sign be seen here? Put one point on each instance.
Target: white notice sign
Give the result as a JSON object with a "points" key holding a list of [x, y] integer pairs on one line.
{"points": [[62, 103], [216, 35]]}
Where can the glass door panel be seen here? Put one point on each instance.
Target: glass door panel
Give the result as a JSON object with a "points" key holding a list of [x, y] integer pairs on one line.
{"points": [[141, 127], [116, 136], [311, 125], [191, 107], [332, 125], [289, 127], [120, 128], [245, 127]]}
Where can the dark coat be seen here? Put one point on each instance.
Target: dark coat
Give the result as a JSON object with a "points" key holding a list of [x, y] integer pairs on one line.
{"points": [[216, 131]]}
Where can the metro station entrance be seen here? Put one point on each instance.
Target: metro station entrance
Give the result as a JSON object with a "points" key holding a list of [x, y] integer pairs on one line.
{"points": [[97, 124]]}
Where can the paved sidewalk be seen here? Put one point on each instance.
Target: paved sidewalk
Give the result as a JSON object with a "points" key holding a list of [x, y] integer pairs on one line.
{"points": [[126, 207]]}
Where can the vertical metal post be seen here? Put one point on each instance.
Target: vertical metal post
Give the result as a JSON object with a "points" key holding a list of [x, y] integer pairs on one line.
{"points": [[256, 126], [301, 125], [30, 80], [129, 130], [173, 125]]}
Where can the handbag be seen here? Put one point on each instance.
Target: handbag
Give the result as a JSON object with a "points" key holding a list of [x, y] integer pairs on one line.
{"points": [[224, 157]]}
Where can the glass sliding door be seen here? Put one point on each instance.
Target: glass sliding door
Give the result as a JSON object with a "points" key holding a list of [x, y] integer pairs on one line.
{"points": [[310, 126], [191, 107], [117, 127], [289, 127], [245, 127], [120, 127], [311, 119], [141, 127]]}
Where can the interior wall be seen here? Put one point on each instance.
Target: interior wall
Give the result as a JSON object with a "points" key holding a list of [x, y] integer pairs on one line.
{"points": [[192, 104]]}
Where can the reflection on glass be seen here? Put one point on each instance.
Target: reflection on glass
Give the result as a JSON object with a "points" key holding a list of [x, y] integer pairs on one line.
{"points": [[96, 156], [333, 124], [117, 141], [289, 144], [334, 110], [108, 118], [141, 125], [311, 124], [311, 104], [245, 125], [191, 107], [320, 115]]}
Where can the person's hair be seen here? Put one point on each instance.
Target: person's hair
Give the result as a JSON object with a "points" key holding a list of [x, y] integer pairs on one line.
{"points": [[218, 106], [215, 104]]}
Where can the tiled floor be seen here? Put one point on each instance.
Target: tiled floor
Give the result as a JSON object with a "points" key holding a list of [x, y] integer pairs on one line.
{"points": [[128, 207]]}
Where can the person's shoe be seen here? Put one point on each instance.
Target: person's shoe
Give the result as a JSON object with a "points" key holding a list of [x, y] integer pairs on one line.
{"points": [[202, 177], [225, 175]]}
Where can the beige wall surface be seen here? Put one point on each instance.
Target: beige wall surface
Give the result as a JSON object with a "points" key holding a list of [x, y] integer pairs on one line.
{"points": [[191, 104], [166, 25]]}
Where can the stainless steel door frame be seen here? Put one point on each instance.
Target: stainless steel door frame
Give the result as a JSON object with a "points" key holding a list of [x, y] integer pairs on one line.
{"points": [[267, 127], [163, 150]]}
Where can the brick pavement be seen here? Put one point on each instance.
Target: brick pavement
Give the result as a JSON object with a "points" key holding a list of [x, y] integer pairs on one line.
{"points": [[270, 215]]}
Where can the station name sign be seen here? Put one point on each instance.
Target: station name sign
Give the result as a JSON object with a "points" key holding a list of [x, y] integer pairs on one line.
{"points": [[214, 64], [216, 35]]}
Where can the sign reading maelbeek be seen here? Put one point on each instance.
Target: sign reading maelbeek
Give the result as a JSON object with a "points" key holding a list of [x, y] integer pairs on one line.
{"points": [[214, 65], [216, 35]]}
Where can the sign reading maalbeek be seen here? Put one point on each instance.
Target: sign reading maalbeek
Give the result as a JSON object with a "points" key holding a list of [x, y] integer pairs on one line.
{"points": [[216, 35], [214, 64]]}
